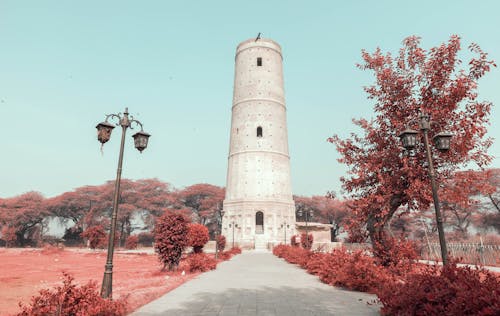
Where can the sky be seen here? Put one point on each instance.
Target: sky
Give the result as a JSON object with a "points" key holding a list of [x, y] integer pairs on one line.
{"points": [[64, 65]]}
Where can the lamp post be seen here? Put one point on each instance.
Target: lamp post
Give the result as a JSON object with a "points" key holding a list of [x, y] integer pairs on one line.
{"points": [[141, 142], [285, 226], [307, 212], [219, 215], [233, 225], [442, 143]]}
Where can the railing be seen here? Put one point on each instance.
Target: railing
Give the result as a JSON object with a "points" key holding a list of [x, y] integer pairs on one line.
{"points": [[471, 253]]}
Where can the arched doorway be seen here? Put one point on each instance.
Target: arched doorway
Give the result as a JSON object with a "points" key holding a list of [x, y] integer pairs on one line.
{"points": [[259, 222]]}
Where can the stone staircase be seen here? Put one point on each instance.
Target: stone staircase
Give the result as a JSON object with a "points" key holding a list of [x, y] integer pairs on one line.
{"points": [[260, 242]]}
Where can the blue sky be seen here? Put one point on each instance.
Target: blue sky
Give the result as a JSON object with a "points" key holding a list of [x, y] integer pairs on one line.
{"points": [[64, 65]]}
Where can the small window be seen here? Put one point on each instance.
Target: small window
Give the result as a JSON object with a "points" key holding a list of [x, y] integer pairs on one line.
{"points": [[259, 131], [259, 61]]}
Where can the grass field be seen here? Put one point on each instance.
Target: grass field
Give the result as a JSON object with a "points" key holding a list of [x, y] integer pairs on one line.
{"points": [[136, 275]]}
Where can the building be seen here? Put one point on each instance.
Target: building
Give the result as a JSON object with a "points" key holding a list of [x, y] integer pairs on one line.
{"points": [[258, 206]]}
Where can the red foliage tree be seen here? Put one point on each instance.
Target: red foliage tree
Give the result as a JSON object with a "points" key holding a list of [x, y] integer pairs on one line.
{"points": [[132, 242], [197, 237], [203, 200], [460, 199], [24, 215], [306, 241], [70, 299], [381, 177], [170, 234], [96, 236], [9, 236], [221, 242]]}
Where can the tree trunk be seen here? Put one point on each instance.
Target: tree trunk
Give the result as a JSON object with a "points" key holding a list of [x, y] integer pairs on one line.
{"points": [[376, 225]]}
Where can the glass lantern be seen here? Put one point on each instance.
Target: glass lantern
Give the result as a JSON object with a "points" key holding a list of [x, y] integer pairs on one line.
{"points": [[104, 131], [409, 138], [141, 140], [442, 141]]}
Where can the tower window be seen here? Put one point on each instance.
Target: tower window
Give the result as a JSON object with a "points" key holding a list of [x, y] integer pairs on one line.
{"points": [[259, 61], [259, 131]]}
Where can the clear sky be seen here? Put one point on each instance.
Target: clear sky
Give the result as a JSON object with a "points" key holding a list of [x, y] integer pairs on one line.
{"points": [[65, 64]]}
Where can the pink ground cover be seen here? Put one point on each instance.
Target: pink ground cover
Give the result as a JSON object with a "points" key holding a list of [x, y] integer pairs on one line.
{"points": [[136, 276]]}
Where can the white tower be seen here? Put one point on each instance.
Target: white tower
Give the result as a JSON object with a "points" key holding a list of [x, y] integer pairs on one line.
{"points": [[258, 207]]}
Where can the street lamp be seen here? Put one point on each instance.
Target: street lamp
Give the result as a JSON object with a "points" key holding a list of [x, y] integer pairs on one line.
{"points": [[219, 215], [285, 226], [104, 130], [307, 213], [442, 142], [233, 225]]}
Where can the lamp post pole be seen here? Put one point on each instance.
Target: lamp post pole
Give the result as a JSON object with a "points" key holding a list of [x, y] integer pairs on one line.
{"points": [[219, 215], [233, 224], [442, 143], [437, 209], [285, 226], [140, 139]]}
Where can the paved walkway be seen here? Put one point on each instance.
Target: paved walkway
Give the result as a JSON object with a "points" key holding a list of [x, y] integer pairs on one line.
{"points": [[258, 283]]}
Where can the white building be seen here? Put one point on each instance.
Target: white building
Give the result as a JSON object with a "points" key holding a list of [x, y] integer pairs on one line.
{"points": [[258, 206]]}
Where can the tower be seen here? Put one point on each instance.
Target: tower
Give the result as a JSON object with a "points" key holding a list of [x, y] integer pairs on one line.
{"points": [[258, 206]]}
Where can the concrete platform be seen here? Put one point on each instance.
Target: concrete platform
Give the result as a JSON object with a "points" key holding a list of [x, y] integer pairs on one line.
{"points": [[258, 283]]}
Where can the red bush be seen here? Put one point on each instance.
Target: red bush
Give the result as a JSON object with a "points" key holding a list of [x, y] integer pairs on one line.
{"points": [[306, 241], [220, 242], [293, 241], [339, 268], [132, 242], [96, 236], [235, 251], [146, 239], [200, 262], [396, 253], [197, 237], [70, 299], [226, 255], [9, 236], [293, 255], [450, 290], [355, 271], [170, 239]]}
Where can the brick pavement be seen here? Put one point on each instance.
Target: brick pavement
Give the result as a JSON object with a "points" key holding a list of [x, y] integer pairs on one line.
{"points": [[258, 283]]}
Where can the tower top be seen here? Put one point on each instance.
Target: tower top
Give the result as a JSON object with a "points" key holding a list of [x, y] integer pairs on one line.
{"points": [[259, 42]]}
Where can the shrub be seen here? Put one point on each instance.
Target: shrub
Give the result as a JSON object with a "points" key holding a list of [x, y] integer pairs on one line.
{"points": [[170, 239], [132, 242], [146, 239], [226, 255], [306, 241], [96, 236], [72, 236], [355, 271], [200, 262], [397, 253], [220, 241], [450, 290], [235, 251], [352, 271], [9, 236], [293, 241], [197, 237], [293, 255], [70, 299]]}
